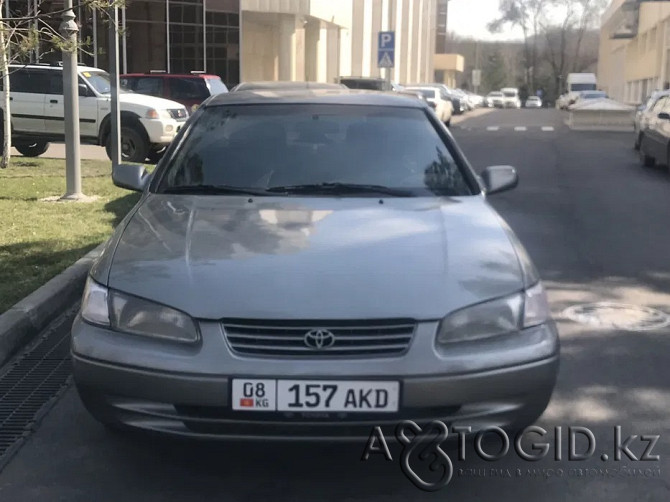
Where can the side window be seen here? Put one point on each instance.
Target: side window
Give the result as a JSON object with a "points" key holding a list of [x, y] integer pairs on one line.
{"points": [[30, 81], [660, 103], [188, 88], [149, 85], [56, 83]]}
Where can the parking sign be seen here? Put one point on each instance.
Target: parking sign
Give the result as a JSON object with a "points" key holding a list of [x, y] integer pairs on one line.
{"points": [[386, 49]]}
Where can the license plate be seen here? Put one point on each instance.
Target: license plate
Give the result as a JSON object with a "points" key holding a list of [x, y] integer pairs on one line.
{"points": [[315, 395]]}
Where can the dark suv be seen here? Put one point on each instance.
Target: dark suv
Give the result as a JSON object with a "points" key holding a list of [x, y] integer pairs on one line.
{"points": [[189, 89]]}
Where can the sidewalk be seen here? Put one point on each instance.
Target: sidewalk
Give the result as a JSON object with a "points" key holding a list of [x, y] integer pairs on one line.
{"points": [[57, 151]]}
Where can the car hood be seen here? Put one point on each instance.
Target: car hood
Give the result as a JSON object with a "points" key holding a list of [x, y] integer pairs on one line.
{"points": [[147, 101], [313, 258]]}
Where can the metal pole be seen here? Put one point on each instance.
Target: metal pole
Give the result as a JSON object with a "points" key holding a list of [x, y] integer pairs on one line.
{"points": [[69, 30], [123, 42], [95, 37], [167, 32], [389, 71], [204, 35], [115, 116]]}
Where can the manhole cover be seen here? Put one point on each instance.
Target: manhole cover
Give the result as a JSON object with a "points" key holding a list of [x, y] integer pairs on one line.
{"points": [[618, 315]]}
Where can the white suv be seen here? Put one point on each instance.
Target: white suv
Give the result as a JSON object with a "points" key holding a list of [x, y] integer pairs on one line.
{"points": [[148, 124]]}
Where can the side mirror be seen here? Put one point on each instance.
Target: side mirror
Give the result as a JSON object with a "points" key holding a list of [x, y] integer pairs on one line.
{"points": [[499, 179], [130, 176], [664, 116], [83, 90]]}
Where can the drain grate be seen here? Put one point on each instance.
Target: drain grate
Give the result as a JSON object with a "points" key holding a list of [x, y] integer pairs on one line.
{"points": [[618, 316], [31, 383]]}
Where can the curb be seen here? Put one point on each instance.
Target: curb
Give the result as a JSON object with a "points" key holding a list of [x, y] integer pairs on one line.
{"points": [[26, 319]]}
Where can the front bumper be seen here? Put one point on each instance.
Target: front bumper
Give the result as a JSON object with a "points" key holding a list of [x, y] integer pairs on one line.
{"points": [[123, 385], [162, 131]]}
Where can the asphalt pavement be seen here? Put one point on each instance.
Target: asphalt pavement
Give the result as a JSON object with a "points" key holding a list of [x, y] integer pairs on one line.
{"points": [[595, 223]]}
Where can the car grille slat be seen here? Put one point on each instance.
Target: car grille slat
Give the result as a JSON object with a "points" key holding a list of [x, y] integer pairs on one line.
{"points": [[287, 338], [178, 113]]}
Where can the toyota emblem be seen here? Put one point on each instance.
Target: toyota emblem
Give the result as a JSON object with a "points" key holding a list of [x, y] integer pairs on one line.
{"points": [[319, 339]]}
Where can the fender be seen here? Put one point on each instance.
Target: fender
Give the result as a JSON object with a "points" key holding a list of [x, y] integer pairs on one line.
{"points": [[127, 119]]}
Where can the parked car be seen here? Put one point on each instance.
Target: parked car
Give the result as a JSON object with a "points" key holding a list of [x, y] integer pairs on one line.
{"points": [[655, 134], [644, 113], [495, 99], [533, 102], [284, 86], [511, 97], [285, 276], [369, 83], [458, 102], [438, 101], [148, 124], [584, 96], [188, 89], [465, 100]]}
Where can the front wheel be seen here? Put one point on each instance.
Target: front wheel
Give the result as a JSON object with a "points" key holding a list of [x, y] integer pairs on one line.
{"points": [[32, 148], [645, 160], [134, 148]]}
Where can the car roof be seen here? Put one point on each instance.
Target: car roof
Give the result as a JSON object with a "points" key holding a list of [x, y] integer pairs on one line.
{"points": [[48, 66], [169, 75], [284, 85], [315, 96]]}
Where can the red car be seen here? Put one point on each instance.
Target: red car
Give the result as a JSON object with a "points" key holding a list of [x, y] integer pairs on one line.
{"points": [[187, 89]]}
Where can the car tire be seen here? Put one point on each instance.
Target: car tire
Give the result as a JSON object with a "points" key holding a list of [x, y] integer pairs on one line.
{"points": [[32, 148], [645, 160], [134, 146], [638, 139], [155, 156], [448, 123]]}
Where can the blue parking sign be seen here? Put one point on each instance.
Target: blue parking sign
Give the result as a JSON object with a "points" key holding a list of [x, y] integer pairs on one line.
{"points": [[386, 49]]}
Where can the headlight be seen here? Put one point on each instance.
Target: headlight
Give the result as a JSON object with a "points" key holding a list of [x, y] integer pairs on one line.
{"points": [[136, 316], [94, 306], [498, 317], [158, 114]]}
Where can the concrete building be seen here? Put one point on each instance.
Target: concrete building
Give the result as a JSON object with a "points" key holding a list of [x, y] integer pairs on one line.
{"points": [[319, 40], [447, 66], [243, 40], [634, 57]]}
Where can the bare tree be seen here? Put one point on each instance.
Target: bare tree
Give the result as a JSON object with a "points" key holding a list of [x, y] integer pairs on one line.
{"points": [[528, 16]]}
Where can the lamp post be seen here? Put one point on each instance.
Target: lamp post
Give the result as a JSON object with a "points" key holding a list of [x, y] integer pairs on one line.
{"points": [[69, 29]]}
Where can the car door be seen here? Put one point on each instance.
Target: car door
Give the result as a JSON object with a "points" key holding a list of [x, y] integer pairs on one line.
{"points": [[89, 114], [55, 108], [27, 95], [653, 137]]}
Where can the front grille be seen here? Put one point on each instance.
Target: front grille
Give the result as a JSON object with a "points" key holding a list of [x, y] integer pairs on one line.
{"points": [[350, 338], [178, 113]]}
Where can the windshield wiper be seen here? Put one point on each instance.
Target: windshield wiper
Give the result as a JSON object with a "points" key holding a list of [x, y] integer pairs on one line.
{"points": [[214, 190], [340, 188]]}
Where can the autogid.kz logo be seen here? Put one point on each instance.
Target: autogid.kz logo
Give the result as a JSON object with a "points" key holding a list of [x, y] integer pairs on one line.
{"points": [[425, 463]]}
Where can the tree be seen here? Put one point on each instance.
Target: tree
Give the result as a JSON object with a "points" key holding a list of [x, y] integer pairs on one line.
{"points": [[526, 15], [29, 32]]}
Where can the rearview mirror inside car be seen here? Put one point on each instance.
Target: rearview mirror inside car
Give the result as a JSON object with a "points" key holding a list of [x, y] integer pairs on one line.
{"points": [[664, 116], [499, 179], [130, 177]]}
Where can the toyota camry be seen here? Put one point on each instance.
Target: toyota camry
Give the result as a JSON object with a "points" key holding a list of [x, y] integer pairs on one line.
{"points": [[309, 264]]}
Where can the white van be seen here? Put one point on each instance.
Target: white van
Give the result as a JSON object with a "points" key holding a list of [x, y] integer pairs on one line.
{"points": [[511, 97]]}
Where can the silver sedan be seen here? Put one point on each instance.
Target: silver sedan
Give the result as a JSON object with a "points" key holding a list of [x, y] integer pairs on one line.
{"points": [[306, 265]]}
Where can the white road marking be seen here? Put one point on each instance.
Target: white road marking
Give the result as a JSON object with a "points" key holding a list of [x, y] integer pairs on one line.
{"points": [[520, 128], [547, 128], [492, 128]]}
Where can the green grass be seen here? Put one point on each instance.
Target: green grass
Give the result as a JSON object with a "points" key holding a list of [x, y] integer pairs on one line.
{"points": [[38, 239]]}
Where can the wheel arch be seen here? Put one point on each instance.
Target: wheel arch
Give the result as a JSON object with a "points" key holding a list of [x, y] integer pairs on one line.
{"points": [[128, 119]]}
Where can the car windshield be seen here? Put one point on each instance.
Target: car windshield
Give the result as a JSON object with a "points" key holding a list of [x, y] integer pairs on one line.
{"points": [[582, 87], [99, 80], [216, 86], [427, 93], [593, 95], [311, 149], [510, 94], [495, 94]]}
